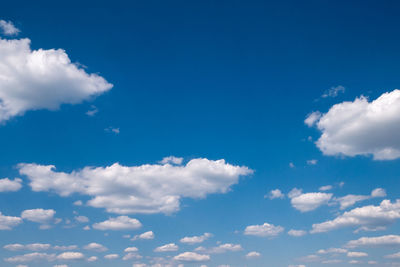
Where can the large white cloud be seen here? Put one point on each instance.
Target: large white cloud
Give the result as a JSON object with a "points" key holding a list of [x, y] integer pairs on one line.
{"points": [[140, 189], [8, 222], [264, 230], [361, 127], [41, 79], [118, 223], [367, 218]]}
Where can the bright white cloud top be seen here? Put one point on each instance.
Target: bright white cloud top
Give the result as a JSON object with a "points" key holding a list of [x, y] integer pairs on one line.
{"points": [[41, 79], [147, 188], [361, 127]]}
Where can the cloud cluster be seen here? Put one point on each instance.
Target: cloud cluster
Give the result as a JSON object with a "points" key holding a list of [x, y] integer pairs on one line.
{"points": [[41, 79], [361, 127], [368, 218], [139, 189]]}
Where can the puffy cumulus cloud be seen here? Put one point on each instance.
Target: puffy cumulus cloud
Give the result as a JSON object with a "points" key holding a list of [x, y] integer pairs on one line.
{"points": [[41, 216], [36, 256], [386, 240], [155, 188], [146, 236], [95, 247], [195, 239], [363, 128], [309, 201], [8, 222], [167, 247], [7, 185], [223, 248], [297, 233], [71, 256], [8, 28], [111, 256], [118, 223], [131, 256], [253, 255], [264, 230], [192, 257], [92, 259], [350, 200], [276, 193], [356, 254], [368, 218], [41, 79]]}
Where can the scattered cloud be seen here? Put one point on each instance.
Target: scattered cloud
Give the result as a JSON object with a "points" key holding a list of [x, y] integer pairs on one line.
{"points": [[8, 28], [386, 240], [118, 223], [9, 222], [95, 247], [146, 236], [139, 189], [195, 239], [111, 256], [356, 254], [192, 257], [325, 188], [350, 200], [312, 162], [276, 193], [368, 218], [7, 185], [35, 256], [112, 130], [167, 248], [41, 216], [172, 160], [264, 230], [71, 256], [253, 255], [308, 201], [41, 79], [297, 233], [333, 91], [312, 118], [92, 111]]}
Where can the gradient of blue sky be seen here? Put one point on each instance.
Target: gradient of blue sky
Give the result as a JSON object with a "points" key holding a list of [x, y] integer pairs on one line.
{"points": [[229, 80]]}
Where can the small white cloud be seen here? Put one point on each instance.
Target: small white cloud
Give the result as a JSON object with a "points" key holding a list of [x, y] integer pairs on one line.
{"points": [[41, 216], [195, 239], [112, 130], [291, 165], [78, 203], [8, 222], [325, 188], [111, 256], [222, 248], [192, 257], [118, 223], [312, 162], [92, 111], [7, 185], [386, 240], [95, 247], [8, 28], [92, 259], [295, 192], [81, 219], [356, 254], [264, 230], [172, 160], [253, 255], [167, 247], [276, 193], [146, 236], [36, 256], [297, 233], [310, 201], [333, 91], [312, 118], [70, 256]]}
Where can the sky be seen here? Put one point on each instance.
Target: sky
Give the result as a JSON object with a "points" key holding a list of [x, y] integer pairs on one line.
{"points": [[199, 133]]}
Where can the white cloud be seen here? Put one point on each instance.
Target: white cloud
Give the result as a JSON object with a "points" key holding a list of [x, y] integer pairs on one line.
{"points": [[8, 28], [310, 201], [195, 239], [192, 257], [312, 162], [356, 254], [312, 118], [264, 230], [118, 223], [33, 247], [172, 160], [253, 255], [297, 233], [368, 218], [70, 247], [112, 130], [95, 247], [92, 259], [393, 256], [146, 236], [332, 251], [70, 256], [8, 222], [42, 216], [7, 185], [78, 203], [325, 188], [131, 249], [276, 193], [139, 189], [167, 247], [350, 200], [111, 256], [386, 240], [333, 91], [36, 256], [41, 79], [295, 192], [82, 219], [92, 111], [131, 255], [362, 128], [222, 248]]}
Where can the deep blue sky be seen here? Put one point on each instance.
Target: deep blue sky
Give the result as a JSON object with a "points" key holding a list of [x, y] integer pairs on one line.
{"points": [[229, 80]]}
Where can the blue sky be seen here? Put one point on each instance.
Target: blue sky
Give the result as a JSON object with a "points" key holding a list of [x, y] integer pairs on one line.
{"points": [[208, 133]]}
